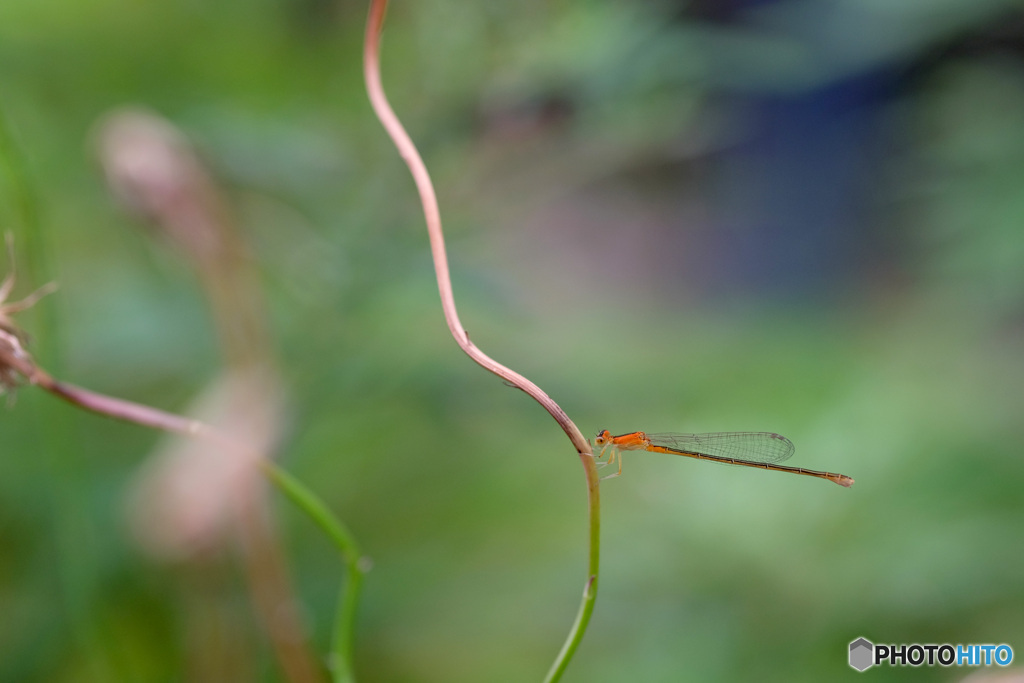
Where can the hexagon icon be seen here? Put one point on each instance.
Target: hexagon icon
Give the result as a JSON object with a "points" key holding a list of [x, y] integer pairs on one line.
{"points": [[862, 653]]}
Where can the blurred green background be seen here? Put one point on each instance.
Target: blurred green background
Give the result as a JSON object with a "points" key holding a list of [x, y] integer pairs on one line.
{"points": [[802, 216]]}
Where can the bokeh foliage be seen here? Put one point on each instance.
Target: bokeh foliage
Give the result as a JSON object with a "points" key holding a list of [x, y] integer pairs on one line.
{"points": [[798, 216]]}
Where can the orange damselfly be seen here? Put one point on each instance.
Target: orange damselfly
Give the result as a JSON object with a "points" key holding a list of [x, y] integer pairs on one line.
{"points": [[750, 449]]}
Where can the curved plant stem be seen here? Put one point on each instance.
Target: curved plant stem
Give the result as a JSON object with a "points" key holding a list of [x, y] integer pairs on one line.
{"points": [[431, 212], [375, 90], [344, 625], [292, 488], [238, 315], [579, 627]]}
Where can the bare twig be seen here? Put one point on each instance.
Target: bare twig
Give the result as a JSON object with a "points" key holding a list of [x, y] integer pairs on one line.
{"points": [[153, 169], [16, 362], [408, 151]]}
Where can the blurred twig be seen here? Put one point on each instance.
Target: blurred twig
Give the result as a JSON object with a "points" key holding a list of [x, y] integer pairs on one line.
{"points": [[408, 151], [75, 571], [154, 171], [15, 361]]}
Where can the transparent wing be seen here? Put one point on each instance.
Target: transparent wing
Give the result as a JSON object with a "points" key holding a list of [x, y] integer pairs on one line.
{"points": [[751, 446]]}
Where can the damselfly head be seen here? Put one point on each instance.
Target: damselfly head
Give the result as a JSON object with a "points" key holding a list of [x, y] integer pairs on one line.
{"points": [[603, 437]]}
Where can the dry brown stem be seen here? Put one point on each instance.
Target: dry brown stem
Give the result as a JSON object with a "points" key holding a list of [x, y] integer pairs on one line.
{"points": [[153, 169], [408, 151]]}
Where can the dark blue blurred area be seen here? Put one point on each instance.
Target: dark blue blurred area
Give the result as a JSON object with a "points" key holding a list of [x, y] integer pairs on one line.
{"points": [[795, 198], [798, 194]]}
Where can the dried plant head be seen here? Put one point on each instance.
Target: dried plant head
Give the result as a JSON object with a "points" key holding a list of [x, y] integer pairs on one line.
{"points": [[153, 171], [15, 361], [185, 499], [10, 352]]}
